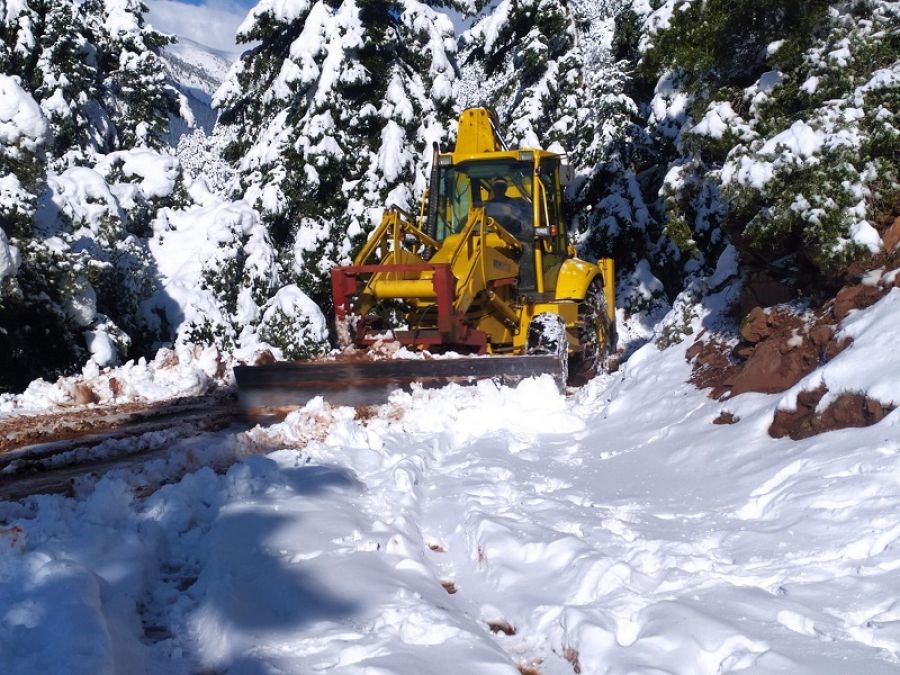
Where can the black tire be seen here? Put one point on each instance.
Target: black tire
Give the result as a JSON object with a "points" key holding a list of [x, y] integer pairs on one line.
{"points": [[547, 335], [596, 337]]}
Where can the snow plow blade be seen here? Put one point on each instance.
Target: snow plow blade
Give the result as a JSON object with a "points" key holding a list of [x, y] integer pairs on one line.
{"points": [[271, 391]]}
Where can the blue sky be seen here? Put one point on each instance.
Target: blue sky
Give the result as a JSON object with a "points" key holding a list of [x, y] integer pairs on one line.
{"points": [[209, 22]]}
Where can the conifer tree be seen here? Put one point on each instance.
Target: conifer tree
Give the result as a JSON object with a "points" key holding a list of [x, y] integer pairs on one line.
{"points": [[338, 106], [67, 82], [83, 79], [95, 69], [36, 336], [528, 50], [136, 93]]}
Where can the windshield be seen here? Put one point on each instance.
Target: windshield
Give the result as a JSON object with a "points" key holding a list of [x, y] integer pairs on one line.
{"points": [[476, 183]]}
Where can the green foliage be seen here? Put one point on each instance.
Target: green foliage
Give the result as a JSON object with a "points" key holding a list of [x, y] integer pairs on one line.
{"points": [[719, 43], [802, 213], [816, 56], [208, 332], [36, 340], [292, 335], [678, 325]]}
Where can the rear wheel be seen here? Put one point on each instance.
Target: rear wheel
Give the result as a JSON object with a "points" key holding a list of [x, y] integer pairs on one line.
{"points": [[547, 335], [596, 336]]}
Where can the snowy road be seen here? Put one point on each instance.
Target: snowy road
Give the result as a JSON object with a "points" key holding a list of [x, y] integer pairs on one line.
{"points": [[480, 530]]}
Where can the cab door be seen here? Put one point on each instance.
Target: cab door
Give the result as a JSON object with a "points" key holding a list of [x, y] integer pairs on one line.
{"points": [[554, 243]]}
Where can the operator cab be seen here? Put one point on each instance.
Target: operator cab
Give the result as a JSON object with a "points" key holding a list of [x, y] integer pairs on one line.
{"points": [[522, 193], [476, 184]]}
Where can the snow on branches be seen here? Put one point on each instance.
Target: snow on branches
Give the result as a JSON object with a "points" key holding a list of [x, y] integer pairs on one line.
{"points": [[339, 105]]}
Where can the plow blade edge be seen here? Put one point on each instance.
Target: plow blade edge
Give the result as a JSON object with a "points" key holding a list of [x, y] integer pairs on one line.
{"points": [[275, 389]]}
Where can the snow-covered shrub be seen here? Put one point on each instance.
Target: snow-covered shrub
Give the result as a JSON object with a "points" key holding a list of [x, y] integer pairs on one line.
{"points": [[202, 157], [811, 189], [639, 292], [143, 181], [219, 282], [294, 324], [776, 122]]}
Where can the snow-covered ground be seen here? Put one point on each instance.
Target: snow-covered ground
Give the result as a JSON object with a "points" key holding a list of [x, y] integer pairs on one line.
{"points": [[616, 530]]}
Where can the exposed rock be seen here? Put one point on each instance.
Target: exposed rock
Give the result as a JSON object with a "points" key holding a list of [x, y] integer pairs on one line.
{"points": [[83, 394], [858, 296], [891, 237], [711, 360], [775, 365], [726, 417], [778, 346], [821, 335], [847, 410], [756, 326]]}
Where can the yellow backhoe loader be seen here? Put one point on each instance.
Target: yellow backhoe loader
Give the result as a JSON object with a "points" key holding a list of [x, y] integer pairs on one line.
{"points": [[485, 269]]}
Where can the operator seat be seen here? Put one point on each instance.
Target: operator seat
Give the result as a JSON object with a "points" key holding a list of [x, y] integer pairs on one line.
{"points": [[514, 214]]}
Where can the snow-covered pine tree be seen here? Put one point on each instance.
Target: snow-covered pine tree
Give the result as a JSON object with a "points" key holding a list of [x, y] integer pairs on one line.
{"points": [[337, 106], [65, 79], [36, 335], [772, 120], [83, 80], [523, 60], [136, 94], [94, 68]]}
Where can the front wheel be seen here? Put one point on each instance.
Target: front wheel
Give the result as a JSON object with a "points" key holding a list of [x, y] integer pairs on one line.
{"points": [[596, 336], [547, 335]]}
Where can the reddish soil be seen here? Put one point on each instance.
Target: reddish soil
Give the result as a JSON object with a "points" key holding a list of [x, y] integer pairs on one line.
{"points": [[502, 626], [779, 345], [726, 417], [21, 430], [847, 410]]}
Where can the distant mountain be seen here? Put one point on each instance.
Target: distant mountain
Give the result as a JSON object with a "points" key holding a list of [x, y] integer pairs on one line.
{"points": [[197, 71]]}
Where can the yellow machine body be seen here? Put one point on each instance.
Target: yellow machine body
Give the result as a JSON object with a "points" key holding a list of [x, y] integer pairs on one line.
{"points": [[500, 279]]}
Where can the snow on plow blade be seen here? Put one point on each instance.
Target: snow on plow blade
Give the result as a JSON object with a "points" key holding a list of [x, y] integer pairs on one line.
{"points": [[273, 390]]}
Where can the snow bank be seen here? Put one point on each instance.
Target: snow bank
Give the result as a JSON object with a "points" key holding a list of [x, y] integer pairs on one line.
{"points": [[186, 370]]}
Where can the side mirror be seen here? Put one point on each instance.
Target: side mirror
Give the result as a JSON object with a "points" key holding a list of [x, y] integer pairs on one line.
{"points": [[566, 173], [543, 232]]}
